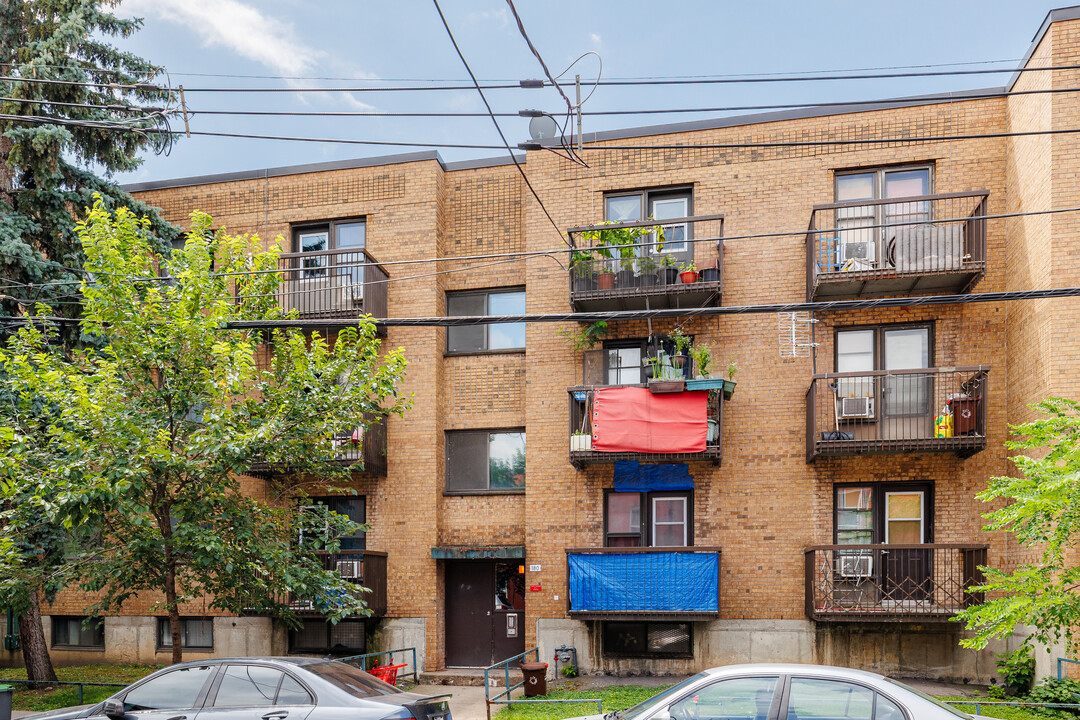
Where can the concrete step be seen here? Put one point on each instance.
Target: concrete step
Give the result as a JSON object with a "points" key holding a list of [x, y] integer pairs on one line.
{"points": [[470, 677]]}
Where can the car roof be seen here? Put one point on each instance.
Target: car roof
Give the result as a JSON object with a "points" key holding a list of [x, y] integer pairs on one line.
{"points": [[794, 669], [299, 660]]}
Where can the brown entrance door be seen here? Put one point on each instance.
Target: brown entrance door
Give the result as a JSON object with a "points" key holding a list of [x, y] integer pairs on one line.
{"points": [[485, 611], [907, 571]]}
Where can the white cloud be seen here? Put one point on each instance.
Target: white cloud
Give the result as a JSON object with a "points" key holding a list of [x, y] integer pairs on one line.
{"points": [[594, 38], [238, 27]]}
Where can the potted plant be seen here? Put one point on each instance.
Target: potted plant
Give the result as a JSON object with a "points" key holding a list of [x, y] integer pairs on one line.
{"points": [[583, 265], [729, 384], [682, 344], [646, 272], [587, 337], [669, 271], [701, 353], [605, 277], [688, 273], [626, 277], [622, 243], [580, 441], [710, 274]]}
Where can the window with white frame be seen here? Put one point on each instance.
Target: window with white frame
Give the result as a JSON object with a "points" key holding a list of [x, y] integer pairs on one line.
{"points": [[665, 204]]}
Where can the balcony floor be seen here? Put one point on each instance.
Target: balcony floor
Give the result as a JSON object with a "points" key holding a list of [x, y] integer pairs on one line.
{"points": [[964, 446], [581, 458], [654, 297], [878, 283]]}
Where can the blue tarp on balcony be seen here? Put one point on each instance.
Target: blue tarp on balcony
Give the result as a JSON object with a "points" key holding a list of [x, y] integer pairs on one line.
{"points": [[644, 582]]}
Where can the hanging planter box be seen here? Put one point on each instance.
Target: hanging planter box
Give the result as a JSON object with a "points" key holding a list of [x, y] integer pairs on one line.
{"points": [[729, 388], [661, 386], [705, 384], [580, 443]]}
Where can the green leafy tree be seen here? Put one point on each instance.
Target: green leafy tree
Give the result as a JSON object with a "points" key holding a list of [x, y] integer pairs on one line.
{"points": [[1042, 510], [152, 431], [56, 139]]}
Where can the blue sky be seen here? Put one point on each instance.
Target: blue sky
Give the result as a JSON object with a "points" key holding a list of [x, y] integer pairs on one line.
{"points": [[403, 41]]}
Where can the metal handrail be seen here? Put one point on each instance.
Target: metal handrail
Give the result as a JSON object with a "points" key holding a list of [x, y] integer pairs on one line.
{"points": [[919, 546], [900, 200], [644, 223], [505, 665], [66, 682], [1060, 666], [978, 704], [363, 660], [910, 371]]}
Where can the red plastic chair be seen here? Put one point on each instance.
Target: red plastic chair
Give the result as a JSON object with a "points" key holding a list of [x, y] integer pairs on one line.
{"points": [[387, 673]]}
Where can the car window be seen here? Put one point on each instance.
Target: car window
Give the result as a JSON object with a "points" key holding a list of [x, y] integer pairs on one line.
{"points": [[248, 686], [746, 698], [929, 698], [292, 692], [352, 680], [177, 689], [645, 706], [886, 709], [832, 699]]}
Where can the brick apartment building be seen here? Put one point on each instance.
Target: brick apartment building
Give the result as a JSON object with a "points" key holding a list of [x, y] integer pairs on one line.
{"points": [[663, 551]]}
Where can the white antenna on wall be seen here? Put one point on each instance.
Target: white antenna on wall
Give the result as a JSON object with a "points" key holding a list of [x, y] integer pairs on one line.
{"points": [[796, 333]]}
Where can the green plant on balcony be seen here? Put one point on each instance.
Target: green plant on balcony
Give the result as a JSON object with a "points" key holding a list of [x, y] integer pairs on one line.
{"points": [[583, 264], [701, 354], [688, 273], [682, 344], [587, 337], [729, 384]]}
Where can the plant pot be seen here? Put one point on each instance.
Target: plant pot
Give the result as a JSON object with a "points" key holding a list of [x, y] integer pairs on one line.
{"points": [[668, 276], [625, 279], [688, 277], [580, 443], [678, 361], [647, 280], [710, 275], [605, 281], [714, 428], [729, 388], [584, 283], [660, 387]]}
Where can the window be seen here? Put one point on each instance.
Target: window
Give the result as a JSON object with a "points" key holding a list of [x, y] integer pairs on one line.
{"points": [[175, 690], [250, 685], [625, 361], [81, 632], [194, 633], [334, 235], [509, 586], [658, 205], [483, 338], [353, 507], [481, 460], [348, 637], [890, 513], [749, 697], [863, 231], [900, 347], [638, 519], [659, 639], [813, 698]]}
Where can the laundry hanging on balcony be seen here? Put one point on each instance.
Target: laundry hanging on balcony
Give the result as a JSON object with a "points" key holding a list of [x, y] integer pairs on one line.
{"points": [[632, 419], [632, 476]]}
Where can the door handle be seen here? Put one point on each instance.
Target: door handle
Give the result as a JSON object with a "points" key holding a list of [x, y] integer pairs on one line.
{"points": [[277, 715]]}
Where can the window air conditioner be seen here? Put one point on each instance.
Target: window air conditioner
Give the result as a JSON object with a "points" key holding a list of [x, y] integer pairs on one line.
{"points": [[856, 407], [863, 250], [854, 565], [350, 569]]}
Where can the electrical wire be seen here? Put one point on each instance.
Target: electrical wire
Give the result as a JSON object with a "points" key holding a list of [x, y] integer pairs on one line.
{"points": [[495, 121], [537, 55]]}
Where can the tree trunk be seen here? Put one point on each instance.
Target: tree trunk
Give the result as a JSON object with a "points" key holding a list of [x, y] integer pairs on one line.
{"points": [[174, 611], [32, 639]]}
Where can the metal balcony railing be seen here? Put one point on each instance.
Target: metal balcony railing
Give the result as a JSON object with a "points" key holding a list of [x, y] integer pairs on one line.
{"points": [[642, 274], [676, 583], [361, 568], [891, 583], [896, 246], [349, 447], [582, 453], [331, 284], [894, 411]]}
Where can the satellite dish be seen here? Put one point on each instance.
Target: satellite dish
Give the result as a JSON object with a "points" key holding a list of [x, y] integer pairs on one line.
{"points": [[543, 127]]}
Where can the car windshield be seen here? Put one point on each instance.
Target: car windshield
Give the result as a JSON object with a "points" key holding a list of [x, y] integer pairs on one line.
{"points": [[930, 698], [642, 708], [352, 680]]}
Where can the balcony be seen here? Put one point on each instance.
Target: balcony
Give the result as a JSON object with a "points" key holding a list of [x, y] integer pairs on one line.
{"points": [[897, 411], [331, 284], [360, 568], [899, 246], [350, 448], [891, 583], [652, 428], [644, 583], [606, 276]]}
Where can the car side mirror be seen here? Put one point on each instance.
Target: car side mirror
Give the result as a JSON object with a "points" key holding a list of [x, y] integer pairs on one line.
{"points": [[113, 709]]}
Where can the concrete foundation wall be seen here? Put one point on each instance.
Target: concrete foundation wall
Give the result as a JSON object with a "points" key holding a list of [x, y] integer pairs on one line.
{"points": [[400, 633]]}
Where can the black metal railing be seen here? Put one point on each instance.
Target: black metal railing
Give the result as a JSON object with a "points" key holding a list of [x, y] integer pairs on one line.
{"points": [[890, 411], [361, 568], [581, 432], [643, 273], [924, 243], [331, 284], [349, 448], [644, 582], [892, 583]]}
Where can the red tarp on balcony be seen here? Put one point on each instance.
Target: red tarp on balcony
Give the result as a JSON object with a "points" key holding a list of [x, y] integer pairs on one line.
{"points": [[632, 419]]}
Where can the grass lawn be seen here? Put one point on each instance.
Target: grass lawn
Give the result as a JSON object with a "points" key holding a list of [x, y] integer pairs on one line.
{"points": [[66, 695], [1006, 713]]}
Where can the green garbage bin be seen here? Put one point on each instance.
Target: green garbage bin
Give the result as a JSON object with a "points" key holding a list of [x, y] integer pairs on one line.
{"points": [[535, 677], [5, 702]]}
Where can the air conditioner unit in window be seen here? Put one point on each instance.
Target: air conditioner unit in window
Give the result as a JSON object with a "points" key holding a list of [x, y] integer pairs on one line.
{"points": [[856, 407], [855, 565], [350, 569], [857, 250]]}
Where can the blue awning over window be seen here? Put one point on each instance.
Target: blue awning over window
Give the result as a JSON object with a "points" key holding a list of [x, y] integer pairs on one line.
{"points": [[644, 582], [631, 476]]}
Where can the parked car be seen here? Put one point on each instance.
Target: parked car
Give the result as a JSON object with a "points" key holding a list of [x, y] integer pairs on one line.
{"points": [[788, 692], [260, 689]]}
